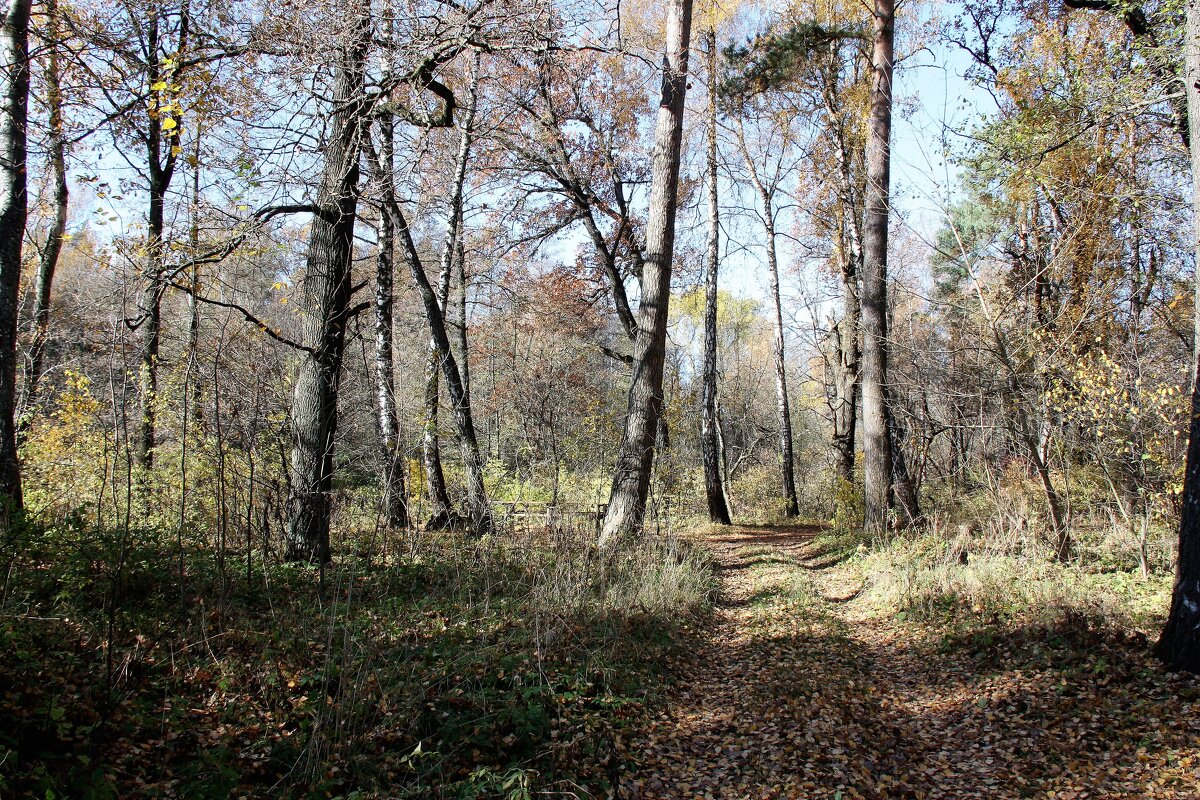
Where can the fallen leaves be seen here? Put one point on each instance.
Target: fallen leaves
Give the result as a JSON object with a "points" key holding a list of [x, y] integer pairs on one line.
{"points": [[792, 692]]}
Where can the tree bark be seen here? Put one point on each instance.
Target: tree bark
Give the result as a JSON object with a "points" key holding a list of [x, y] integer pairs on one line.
{"points": [[877, 450], [635, 459], [394, 506], [440, 509], [14, 202], [710, 449], [326, 291], [904, 488], [1179, 644], [58, 227]]}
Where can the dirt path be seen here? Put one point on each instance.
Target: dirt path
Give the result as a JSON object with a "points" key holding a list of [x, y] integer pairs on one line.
{"points": [[793, 689]]}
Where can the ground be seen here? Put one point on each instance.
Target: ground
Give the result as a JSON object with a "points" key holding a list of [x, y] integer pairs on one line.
{"points": [[795, 688]]}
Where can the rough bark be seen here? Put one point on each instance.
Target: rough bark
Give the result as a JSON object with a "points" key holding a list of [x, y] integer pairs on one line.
{"points": [[325, 288], [635, 459], [904, 488], [14, 200], [394, 506], [1179, 644], [710, 446], [48, 263], [877, 449]]}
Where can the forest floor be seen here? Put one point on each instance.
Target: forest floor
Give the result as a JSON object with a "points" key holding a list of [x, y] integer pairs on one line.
{"points": [[794, 687]]}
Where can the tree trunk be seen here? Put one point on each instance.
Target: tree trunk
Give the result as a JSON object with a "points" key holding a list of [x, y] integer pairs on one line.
{"points": [[193, 329], [786, 454], [160, 168], [326, 291], [441, 511], [14, 198], [904, 488], [58, 227], [846, 332], [1179, 644], [431, 453], [478, 506], [877, 450], [710, 449], [635, 459], [394, 505]]}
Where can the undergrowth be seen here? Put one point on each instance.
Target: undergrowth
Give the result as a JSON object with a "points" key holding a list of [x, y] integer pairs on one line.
{"points": [[443, 668], [933, 575]]}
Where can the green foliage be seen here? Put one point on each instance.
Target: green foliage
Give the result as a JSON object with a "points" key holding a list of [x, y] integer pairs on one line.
{"points": [[848, 505], [771, 60]]}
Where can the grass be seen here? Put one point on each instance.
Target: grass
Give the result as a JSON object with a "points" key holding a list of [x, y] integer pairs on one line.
{"points": [[934, 576], [449, 668]]}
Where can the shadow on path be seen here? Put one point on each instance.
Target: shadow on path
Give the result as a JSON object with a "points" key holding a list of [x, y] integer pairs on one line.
{"points": [[789, 694]]}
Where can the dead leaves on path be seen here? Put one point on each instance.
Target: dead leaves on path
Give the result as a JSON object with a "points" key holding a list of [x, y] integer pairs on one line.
{"points": [[786, 695]]}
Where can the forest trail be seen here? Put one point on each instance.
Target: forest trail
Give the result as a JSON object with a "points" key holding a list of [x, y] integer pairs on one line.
{"points": [[793, 689]]}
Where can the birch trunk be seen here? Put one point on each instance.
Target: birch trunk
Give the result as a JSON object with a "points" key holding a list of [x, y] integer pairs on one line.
{"points": [[710, 446], [14, 201], [394, 506]]}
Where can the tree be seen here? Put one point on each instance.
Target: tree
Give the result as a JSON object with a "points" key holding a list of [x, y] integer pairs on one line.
{"points": [[766, 188], [392, 463], [877, 446], [14, 198], [1179, 644], [710, 449], [52, 248], [326, 290], [631, 477]]}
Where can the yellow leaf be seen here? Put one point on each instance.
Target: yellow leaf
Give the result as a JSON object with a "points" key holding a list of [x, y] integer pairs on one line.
{"points": [[169, 124], [158, 87]]}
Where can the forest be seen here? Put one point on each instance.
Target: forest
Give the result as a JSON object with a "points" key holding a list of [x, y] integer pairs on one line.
{"points": [[600, 399]]}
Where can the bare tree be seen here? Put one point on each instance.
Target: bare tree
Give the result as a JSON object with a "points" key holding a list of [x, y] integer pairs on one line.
{"points": [[392, 462], [631, 478], [766, 188], [52, 248]]}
